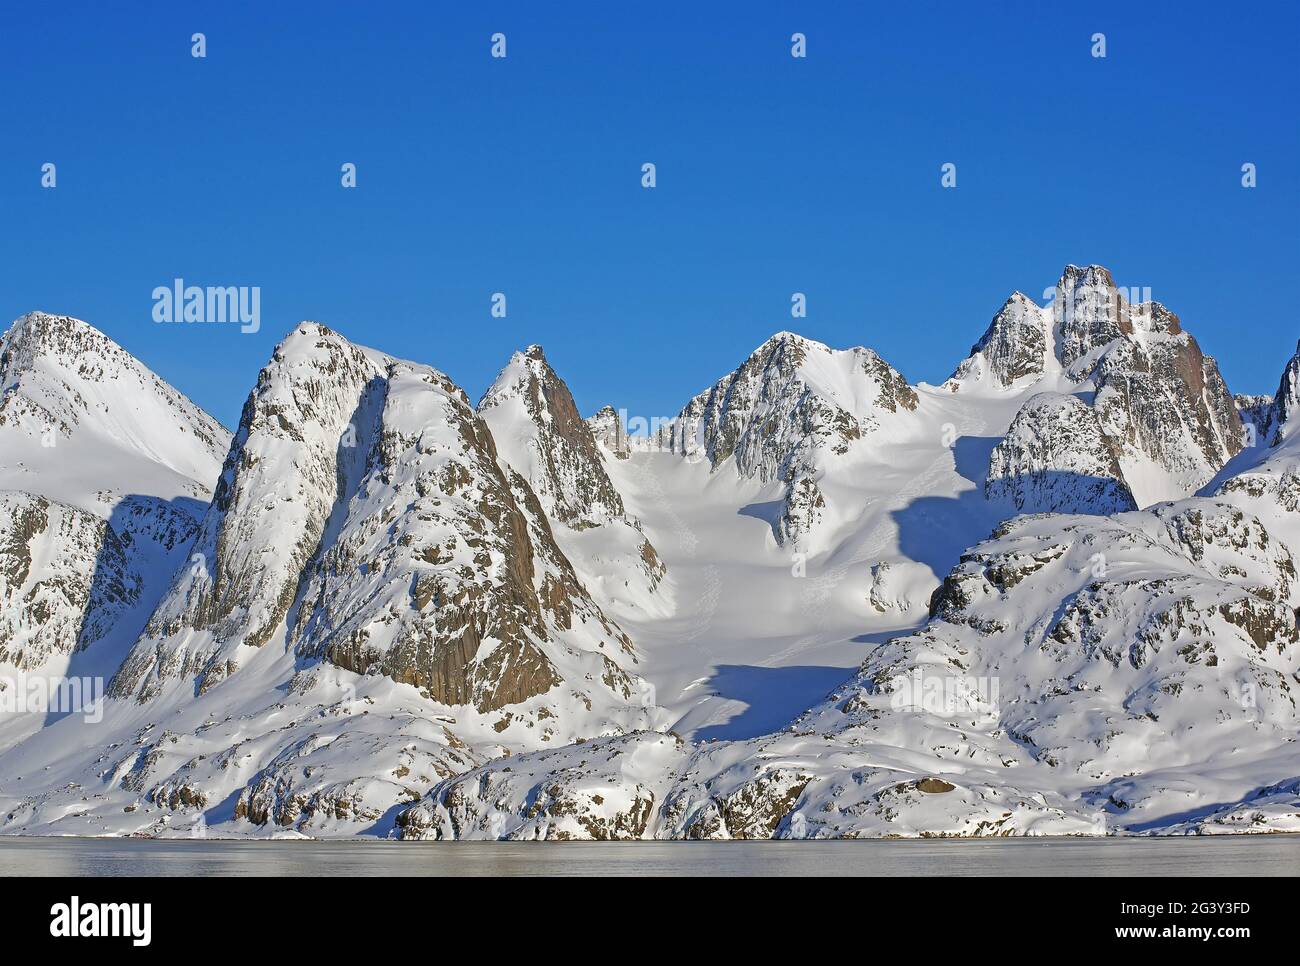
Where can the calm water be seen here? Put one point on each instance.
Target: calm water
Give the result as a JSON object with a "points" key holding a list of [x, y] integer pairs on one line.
{"points": [[1236, 855]]}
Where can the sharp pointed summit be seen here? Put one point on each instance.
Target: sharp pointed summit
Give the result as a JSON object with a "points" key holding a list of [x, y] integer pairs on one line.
{"points": [[542, 436]]}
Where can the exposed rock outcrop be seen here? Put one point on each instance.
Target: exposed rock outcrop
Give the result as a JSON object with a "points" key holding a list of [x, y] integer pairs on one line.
{"points": [[1161, 403], [1055, 459]]}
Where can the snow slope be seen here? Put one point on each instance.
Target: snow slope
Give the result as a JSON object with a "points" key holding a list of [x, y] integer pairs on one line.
{"points": [[84, 423], [1080, 674]]}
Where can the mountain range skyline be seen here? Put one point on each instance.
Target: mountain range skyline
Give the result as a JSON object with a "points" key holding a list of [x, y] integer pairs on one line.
{"points": [[1054, 594], [640, 421], [522, 175]]}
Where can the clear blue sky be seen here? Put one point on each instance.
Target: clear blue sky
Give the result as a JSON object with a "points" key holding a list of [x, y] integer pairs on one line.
{"points": [[522, 175]]}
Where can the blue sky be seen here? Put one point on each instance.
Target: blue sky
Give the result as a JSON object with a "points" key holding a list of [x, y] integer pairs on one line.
{"points": [[775, 175]]}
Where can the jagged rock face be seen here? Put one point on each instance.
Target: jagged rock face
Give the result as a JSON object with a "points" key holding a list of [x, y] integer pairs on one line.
{"points": [[802, 510], [150, 524], [1024, 341], [456, 567], [364, 511], [1166, 402], [1161, 403], [1274, 416], [540, 433], [1256, 414], [1016, 346], [1089, 312], [1287, 400], [65, 579], [276, 491], [1055, 459], [1157, 395], [1269, 486], [791, 406], [473, 586]]}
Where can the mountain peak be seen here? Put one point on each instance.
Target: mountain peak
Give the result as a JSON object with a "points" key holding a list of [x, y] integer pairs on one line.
{"points": [[790, 409], [785, 335], [794, 340], [39, 321], [540, 432], [42, 334], [1286, 403], [61, 379], [308, 333], [1074, 275], [540, 435], [310, 329], [1016, 345]]}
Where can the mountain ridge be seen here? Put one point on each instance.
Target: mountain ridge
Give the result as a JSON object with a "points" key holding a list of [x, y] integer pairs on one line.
{"points": [[403, 614]]}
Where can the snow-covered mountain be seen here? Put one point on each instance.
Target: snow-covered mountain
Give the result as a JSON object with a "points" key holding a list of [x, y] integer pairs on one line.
{"points": [[66, 388], [888, 610], [1287, 401], [790, 409], [1079, 673], [363, 513], [366, 552], [540, 434], [1160, 402], [65, 579], [1265, 479], [1278, 419], [105, 471], [607, 430]]}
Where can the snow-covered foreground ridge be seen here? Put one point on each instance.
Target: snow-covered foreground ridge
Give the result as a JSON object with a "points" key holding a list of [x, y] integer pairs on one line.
{"points": [[1055, 595]]}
